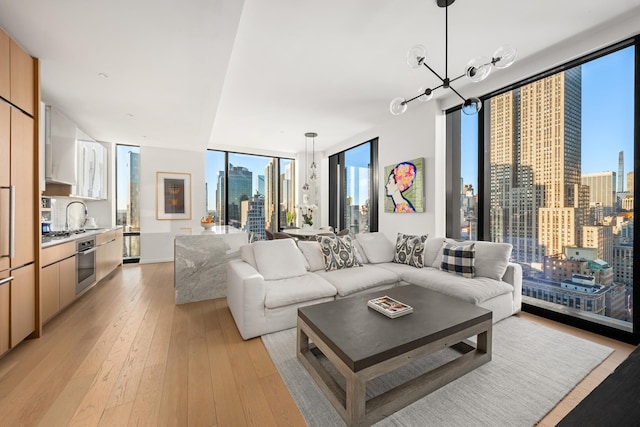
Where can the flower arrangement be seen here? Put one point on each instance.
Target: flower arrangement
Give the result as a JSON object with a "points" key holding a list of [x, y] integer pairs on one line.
{"points": [[291, 217], [307, 213]]}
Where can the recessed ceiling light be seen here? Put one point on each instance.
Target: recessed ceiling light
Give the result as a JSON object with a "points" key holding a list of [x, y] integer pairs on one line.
{"points": [[103, 75], [129, 115]]}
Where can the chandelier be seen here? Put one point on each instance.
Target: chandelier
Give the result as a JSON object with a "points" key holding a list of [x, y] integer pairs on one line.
{"points": [[313, 169], [477, 70]]}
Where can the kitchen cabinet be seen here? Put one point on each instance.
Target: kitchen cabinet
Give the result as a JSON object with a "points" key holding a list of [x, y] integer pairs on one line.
{"points": [[23, 178], [57, 279], [23, 309], [5, 182], [92, 170], [5, 67], [22, 79], [5, 303], [109, 253], [49, 291]]}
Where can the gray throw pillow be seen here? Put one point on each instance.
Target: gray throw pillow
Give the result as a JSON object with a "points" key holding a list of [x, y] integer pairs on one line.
{"points": [[410, 250], [338, 252]]}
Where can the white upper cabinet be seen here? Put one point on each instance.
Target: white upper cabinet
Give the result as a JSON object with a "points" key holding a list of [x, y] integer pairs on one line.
{"points": [[73, 158], [92, 169], [59, 148]]}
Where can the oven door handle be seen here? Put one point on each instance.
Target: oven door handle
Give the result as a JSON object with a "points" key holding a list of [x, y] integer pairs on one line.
{"points": [[6, 280], [88, 251]]}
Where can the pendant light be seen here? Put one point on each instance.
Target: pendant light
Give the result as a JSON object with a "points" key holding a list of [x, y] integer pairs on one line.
{"points": [[477, 70]]}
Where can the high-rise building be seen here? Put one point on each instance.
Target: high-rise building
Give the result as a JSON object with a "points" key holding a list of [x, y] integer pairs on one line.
{"points": [[630, 182], [240, 188], [602, 192], [270, 192], [253, 215], [220, 199], [538, 203], [621, 171], [599, 237], [133, 198]]}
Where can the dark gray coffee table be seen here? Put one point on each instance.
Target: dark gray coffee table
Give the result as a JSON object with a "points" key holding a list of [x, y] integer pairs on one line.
{"points": [[363, 344]]}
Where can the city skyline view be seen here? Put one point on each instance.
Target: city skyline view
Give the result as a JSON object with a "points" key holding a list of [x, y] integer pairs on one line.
{"points": [[607, 118]]}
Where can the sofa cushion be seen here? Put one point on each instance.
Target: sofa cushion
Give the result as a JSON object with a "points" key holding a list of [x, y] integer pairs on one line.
{"points": [[458, 259], [377, 247], [295, 290], [279, 259], [338, 252], [475, 291], [433, 252], [410, 250], [247, 255], [351, 280], [359, 251], [313, 254], [492, 259]]}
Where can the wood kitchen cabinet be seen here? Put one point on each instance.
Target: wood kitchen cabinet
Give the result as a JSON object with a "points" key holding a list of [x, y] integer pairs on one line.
{"points": [[5, 67], [23, 309], [57, 279], [109, 253], [5, 303], [22, 79]]}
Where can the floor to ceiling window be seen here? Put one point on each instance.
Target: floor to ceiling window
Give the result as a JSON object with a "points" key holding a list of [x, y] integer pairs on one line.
{"points": [[128, 199], [353, 177], [249, 192], [557, 182]]}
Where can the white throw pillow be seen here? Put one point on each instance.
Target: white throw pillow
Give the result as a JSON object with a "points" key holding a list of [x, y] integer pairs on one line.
{"points": [[377, 247], [279, 259], [313, 254], [492, 259]]}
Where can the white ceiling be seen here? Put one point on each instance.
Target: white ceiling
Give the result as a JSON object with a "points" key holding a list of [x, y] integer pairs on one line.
{"points": [[256, 75]]}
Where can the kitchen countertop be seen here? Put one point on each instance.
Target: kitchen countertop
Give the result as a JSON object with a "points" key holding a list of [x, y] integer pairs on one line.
{"points": [[52, 241]]}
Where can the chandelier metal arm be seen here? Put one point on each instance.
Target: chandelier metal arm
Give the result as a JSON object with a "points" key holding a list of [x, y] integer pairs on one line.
{"points": [[434, 72], [456, 92]]}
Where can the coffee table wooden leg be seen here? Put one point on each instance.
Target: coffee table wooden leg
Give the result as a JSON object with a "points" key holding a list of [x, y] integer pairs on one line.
{"points": [[484, 341], [356, 394]]}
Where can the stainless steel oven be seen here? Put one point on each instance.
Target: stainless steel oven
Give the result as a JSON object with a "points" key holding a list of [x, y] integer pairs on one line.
{"points": [[85, 263]]}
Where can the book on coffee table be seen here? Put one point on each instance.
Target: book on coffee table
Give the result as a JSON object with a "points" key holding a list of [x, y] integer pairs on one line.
{"points": [[390, 307]]}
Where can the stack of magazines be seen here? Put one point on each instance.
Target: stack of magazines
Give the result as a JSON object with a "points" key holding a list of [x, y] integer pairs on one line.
{"points": [[390, 307]]}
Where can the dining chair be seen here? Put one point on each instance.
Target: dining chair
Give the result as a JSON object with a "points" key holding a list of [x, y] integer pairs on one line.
{"points": [[281, 235], [269, 234], [343, 232], [326, 227]]}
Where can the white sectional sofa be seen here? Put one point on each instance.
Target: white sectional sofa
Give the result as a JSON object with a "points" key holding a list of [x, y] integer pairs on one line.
{"points": [[275, 277]]}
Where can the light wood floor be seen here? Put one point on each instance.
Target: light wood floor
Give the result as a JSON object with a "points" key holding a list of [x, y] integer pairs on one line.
{"points": [[125, 354]]}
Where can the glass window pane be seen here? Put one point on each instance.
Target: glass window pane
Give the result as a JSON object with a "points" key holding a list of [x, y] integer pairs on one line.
{"points": [[251, 203], [561, 151], [469, 177], [215, 179], [287, 193], [128, 198], [357, 182]]}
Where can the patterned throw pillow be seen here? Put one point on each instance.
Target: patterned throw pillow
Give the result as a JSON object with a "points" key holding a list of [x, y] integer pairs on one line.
{"points": [[458, 259], [338, 252], [410, 250]]}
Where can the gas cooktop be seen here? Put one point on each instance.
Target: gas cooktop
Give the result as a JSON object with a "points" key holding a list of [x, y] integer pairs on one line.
{"points": [[62, 233]]}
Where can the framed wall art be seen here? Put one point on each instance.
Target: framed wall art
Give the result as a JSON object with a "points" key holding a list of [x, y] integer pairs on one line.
{"points": [[173, 195], [404, 186]]}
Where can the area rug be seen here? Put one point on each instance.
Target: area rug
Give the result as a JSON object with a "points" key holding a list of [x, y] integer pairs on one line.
{"points": [[533, 367]]}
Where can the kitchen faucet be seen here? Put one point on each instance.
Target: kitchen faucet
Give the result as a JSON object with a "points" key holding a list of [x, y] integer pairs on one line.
{"points": [[86, 213]]}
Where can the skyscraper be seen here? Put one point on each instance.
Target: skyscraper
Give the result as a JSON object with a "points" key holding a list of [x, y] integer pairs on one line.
{"points": [[601, 190], [538, 203], [630, 182], [621, 171]]}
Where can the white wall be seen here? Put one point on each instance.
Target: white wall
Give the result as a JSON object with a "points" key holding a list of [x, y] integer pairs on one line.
{"points": [[157, 236], [417, 133]]}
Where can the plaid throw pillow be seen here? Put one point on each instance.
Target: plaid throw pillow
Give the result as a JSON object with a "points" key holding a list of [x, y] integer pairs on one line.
{"points": [[410, 250], [458, 259]]}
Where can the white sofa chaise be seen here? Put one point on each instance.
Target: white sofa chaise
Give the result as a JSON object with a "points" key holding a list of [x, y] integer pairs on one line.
{"points": [[275, 277]]}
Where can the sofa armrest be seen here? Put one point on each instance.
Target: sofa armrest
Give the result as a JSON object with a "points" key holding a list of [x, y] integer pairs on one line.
{"points": [[245, 298], [513, 276]]}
